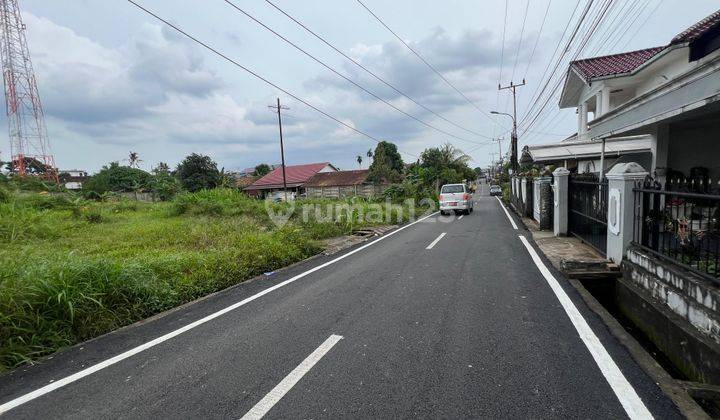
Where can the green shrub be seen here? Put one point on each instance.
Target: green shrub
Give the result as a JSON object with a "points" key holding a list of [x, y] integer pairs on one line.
{"points": [[165, 186], [93, 216], [46, 201], [4, 195], [115, 178], [124, 206]]}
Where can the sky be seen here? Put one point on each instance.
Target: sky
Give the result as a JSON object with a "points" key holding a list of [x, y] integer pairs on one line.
{"points": [[113, 79]]}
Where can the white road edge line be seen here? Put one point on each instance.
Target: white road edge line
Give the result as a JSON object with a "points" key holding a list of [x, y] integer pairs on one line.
{"points": [[433, 243], [5, 407], [630, 400], [276, 394], [506, 213]]}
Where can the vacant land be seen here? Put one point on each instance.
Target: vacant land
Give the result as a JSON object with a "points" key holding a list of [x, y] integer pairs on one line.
{"points": [[72, 269]]}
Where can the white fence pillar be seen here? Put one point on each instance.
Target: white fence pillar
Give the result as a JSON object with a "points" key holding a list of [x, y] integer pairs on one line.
{"points": [[560, 212], [523, 191], [621, 212]]}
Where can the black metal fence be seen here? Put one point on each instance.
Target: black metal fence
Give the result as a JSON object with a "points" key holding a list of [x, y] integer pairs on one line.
{"points": [[587, 210], [680, 226]]}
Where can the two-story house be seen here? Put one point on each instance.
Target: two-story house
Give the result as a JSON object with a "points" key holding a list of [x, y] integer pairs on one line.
{"points": [[658, 107]]}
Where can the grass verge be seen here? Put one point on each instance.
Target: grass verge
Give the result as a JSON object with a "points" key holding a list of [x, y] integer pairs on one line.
{"points": [[71, 269]]}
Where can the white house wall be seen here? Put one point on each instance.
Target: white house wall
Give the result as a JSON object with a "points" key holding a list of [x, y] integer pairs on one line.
{"points": [[695, 91], [669, 66]]}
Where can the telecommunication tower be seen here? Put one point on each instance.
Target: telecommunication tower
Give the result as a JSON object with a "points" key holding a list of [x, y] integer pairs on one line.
{"points": [[29, 144]]}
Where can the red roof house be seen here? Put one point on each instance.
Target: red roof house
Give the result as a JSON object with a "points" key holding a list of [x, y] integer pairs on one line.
{"points": [[616, 64], [296, 176]]}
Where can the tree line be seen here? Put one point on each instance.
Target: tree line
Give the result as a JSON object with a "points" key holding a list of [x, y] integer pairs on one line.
{"points": [[419, 179]]}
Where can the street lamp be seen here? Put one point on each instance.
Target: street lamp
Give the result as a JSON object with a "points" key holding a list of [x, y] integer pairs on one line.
{"points": [[513, 140]]}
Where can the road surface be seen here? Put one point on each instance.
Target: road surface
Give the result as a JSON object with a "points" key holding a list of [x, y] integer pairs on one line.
{"points": [[441, 319]]}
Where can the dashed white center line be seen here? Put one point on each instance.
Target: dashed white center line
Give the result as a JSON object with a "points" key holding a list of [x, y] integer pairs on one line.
{"points": [[433, 243], [276, 394], [5, 407], [461, 216]]}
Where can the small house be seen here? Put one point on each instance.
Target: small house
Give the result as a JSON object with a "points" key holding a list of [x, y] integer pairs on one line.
{"points": [[343, 184], [296, 176]]}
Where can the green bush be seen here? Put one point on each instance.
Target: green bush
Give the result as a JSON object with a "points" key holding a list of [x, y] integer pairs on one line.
{"points": [[115, 178], [165, 186]]}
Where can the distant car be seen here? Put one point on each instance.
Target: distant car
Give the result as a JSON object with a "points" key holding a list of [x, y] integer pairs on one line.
{"points": [[455, 198], [495, 190]]}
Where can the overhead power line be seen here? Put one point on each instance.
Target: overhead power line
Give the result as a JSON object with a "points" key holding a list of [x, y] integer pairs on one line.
{"points": [[642, 25], [255, 74], [349, 80], [537, 100], [630, 25], [583, 43], [537, 39], [522, 33], [613, 26], [373, 74], [430, 66], [550, 61]]}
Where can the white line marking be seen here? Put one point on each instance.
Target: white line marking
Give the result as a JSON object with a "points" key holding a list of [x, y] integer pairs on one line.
{"points": [[506, 213], [461, 216], [631, 402], [122, 356], [433, 243], [272, 398]]}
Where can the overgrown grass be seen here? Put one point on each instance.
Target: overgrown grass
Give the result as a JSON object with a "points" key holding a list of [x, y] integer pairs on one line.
{"points": [[71, 269]]}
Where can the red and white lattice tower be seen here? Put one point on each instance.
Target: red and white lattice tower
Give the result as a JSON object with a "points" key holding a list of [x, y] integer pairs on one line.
{"points": [[26, 121]]}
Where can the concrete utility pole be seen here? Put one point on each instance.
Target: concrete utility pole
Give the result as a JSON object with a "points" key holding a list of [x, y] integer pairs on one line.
{"points": [[492, 164], [278, 108], [514, 138], [499, 141]]}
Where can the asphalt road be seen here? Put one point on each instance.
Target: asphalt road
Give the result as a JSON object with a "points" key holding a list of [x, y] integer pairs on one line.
{"points": [[468, 328]]}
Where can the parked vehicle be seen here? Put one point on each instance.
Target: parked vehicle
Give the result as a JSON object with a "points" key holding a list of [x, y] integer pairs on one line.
{"points": [[495, 190], [455, 198]]}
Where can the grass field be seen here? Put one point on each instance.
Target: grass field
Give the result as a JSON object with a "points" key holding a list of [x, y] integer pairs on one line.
{"points": [[71, 269]]}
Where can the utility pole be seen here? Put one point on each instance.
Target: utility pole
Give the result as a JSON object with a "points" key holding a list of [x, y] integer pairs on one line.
{"points": [[278, 108], [499, 141], [492, 165], [513, 140]]}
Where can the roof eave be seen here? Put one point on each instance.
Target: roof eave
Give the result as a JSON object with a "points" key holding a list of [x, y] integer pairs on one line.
{"points": [[642, 66], [566, 102]]}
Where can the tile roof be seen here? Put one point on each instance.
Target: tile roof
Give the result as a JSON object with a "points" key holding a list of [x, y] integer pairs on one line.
{"points": [[294, 174], [698, 29], [340, 178], [591, 68]]}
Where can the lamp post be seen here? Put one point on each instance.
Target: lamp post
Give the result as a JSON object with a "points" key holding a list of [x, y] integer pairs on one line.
{"points": [[513, 141]]}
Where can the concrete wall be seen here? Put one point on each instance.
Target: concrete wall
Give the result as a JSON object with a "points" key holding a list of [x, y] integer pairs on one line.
{"points": [[692, 298], [139, 196], [678, 311], [365, 190]]}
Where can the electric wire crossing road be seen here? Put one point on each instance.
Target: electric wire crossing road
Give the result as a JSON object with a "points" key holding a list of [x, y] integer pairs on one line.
{"points": [[425, 321]]}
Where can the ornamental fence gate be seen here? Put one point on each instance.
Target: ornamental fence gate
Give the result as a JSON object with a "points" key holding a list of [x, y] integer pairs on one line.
{"points": [[587, 210]]}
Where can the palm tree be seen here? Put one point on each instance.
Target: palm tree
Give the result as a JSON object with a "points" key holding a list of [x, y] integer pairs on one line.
{"points": [[369, 153], [359, 161], [134, 160]]}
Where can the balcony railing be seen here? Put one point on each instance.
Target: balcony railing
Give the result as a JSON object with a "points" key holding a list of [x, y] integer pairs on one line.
{"points": [[680, 226]]}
